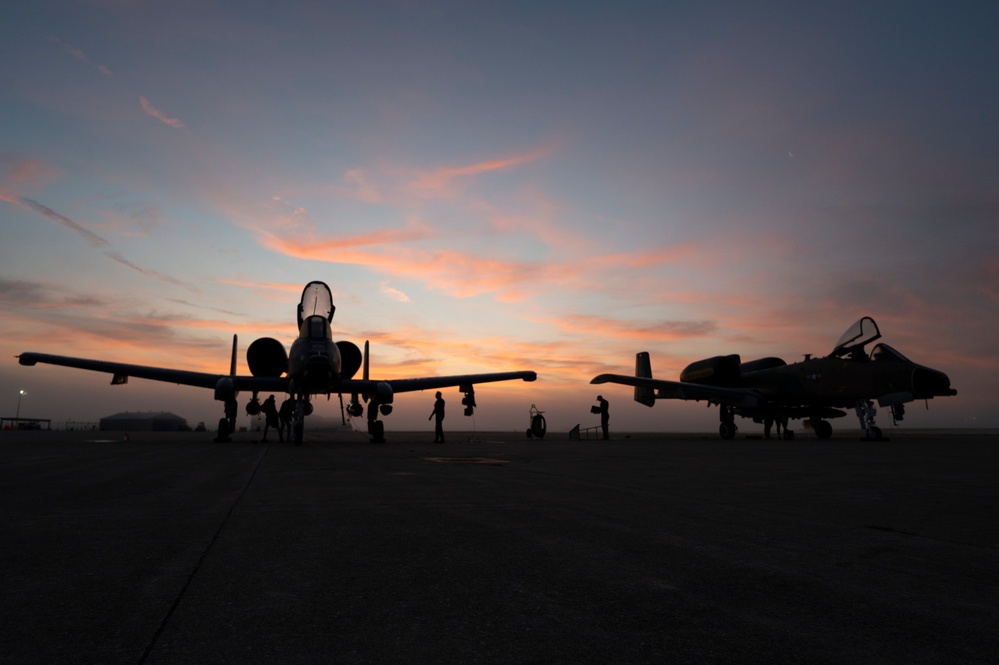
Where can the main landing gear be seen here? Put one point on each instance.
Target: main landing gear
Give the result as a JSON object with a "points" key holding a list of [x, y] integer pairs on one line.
{"points": [[865, 413], [376, 428], [227, 424], [303, 407], [728, 428]]}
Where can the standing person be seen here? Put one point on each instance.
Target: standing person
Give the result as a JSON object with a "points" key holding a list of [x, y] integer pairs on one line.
{"points": [[604, 410], [269, 409], [439, 413], [285, 415], [781, 419]]}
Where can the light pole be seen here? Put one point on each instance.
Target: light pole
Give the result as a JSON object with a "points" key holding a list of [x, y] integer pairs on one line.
{"points": [[17, 418]]}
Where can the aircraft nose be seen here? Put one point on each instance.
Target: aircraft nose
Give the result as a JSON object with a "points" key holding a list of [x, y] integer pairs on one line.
{"points": [[928, 382]]}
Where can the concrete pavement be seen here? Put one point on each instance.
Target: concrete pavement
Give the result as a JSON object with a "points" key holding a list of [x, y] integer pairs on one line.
{"points": [[656, 548]]}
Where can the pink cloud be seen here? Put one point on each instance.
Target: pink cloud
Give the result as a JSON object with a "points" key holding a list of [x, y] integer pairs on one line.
{"points": [[394, 294], [437, 183], [148, 107], [456, 273], [19, 174], [79, 55]]}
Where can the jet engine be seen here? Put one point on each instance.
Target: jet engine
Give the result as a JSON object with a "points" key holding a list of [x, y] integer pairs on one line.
{"points": [[350, 359], [267, 358], [717, 371]]}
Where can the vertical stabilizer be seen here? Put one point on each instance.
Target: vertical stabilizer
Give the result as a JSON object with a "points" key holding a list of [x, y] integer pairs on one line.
{"points": [[643, 370], [365, 360], [232, 363]]}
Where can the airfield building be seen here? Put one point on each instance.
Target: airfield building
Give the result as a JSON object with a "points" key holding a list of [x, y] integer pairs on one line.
{"points": [[153, 421]]}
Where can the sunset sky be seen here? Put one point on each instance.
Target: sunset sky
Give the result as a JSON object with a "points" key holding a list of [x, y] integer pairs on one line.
{"points": [[495, 186]]}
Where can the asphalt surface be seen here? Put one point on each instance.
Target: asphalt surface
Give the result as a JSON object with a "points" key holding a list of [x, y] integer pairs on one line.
{"points": [[655, 548]]}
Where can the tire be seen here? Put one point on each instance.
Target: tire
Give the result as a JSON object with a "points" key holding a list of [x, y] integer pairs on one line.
{"points": [[539, 426], [223, 435]]}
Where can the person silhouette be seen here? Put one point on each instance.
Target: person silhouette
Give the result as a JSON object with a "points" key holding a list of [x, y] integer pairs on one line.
{"points": [[439, 413], [604, 410], [269, 409], [286, 415], [778, 418]]}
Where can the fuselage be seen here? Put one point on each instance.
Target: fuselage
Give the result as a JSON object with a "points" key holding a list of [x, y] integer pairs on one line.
{"points": [[314, 364], [841, 382], [818, 387]]}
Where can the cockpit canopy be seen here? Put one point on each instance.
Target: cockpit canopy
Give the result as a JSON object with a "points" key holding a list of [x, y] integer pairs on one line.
{"points": [[883, 352], [315, 327], [317, 300], [856, 336]]}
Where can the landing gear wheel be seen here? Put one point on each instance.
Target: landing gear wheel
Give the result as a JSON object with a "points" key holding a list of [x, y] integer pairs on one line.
{"points": [[727, 430], [377, 431], [538, 426], [823, 429], [874, 433], [299, 430]]}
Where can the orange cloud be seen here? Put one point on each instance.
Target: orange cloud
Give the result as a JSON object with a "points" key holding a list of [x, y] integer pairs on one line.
{"points": [[451, 271]]}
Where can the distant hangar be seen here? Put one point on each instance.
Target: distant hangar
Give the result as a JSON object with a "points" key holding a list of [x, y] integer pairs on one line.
{"points": [[151, 421]]}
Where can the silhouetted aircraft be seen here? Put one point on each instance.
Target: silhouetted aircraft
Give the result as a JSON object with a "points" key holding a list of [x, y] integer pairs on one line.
{"points": [[315, 366], [813, 389]]}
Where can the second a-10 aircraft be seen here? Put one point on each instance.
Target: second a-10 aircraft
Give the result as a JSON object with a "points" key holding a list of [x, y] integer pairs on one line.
{"points": [[815, 389], [316, 365]]}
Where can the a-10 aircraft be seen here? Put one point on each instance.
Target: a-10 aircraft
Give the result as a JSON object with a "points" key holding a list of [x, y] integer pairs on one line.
{"points": [[315, 366], [815, 388]]}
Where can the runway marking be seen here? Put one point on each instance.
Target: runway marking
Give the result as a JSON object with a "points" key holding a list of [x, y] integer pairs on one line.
{"points": [[467, 460]]}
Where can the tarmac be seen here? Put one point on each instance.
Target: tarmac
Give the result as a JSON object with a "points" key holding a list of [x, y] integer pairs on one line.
{"points": [[495, 548]]}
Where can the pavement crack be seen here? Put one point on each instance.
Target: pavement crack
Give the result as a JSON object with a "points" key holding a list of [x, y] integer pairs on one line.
{"points": [[201, 560]]}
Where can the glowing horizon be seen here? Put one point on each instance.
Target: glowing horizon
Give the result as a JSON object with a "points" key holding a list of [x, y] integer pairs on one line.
{"points": [[674, 180]]}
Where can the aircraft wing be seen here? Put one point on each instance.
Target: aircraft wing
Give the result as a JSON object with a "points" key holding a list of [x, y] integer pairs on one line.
{"points": [[743, 397], [432, 382], [121, 372]]}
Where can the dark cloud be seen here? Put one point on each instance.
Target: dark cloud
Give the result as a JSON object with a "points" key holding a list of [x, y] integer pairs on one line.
{"points": [[95, 240], [118, 258], [26, 294], [187, 303], [92, 238]]}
